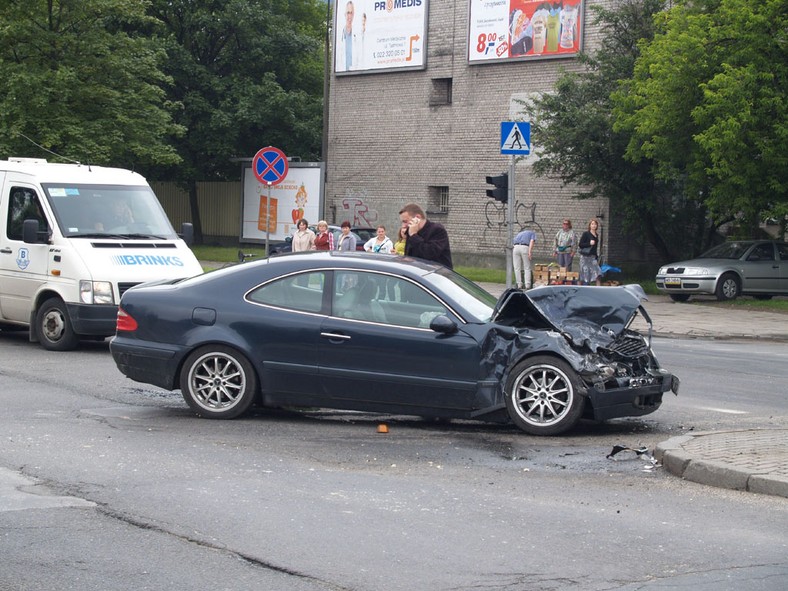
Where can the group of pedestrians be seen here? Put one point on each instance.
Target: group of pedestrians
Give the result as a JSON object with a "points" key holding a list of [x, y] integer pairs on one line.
{"points": [[417, 237], [422, 238], [565, 247]]}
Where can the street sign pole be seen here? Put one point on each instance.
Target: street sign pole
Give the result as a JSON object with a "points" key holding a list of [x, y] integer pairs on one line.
{"points": [[270, 167], [267, 220], [515, 141], [510, 224]]}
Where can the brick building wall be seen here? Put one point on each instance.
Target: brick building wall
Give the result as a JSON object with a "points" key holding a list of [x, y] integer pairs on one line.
{"points": [[389, 143]]}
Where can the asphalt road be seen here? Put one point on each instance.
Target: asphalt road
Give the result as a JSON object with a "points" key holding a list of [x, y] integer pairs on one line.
{"points": [[108, 484]]}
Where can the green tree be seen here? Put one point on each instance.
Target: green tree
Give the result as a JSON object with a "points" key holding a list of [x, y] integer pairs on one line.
{"points": [[79, 80], [573, 130], [248, 73], [707, 104]]}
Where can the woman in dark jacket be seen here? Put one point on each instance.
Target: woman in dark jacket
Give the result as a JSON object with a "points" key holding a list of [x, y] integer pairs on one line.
{"points": [[590, 246]]}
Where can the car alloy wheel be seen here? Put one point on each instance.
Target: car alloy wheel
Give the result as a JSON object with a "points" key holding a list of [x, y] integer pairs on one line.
{"points": [[218, 382], [542, 396]]}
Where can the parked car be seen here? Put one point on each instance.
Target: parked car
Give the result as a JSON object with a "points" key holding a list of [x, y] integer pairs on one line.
{"points": [[372, 332], [287, 245], [741, 267]]}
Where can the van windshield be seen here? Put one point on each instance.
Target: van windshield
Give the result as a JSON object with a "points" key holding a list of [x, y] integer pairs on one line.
{"points": [[94, 211]]}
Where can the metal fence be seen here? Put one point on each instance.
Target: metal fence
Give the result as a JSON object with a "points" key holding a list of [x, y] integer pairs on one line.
{"points": [[219, 203]]}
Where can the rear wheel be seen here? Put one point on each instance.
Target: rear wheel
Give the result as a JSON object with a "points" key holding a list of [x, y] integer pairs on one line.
{"points": [[53, 326], [728, 287], [679, 297], [542, 396], [218, 382]]}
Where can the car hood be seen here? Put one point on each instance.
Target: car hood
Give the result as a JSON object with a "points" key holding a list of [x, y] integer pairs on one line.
{"points": [[592, 316], [702, 263]]}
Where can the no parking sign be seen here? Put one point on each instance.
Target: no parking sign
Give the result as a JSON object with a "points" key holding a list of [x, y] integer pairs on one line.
{"points": [[270, 166]]}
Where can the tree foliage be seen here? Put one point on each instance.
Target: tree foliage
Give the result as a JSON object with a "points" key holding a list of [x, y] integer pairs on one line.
{"points": [[707, 104], [573, 129], [247, 73], [81, 80]]}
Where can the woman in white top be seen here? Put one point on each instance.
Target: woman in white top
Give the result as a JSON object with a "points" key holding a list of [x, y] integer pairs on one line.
{"points": [[304, 238], [380, 243]]}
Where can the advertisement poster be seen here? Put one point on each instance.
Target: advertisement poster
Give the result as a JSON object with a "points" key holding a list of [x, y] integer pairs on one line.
{"points": [[298, 196], [516, 29], [374, 35]]}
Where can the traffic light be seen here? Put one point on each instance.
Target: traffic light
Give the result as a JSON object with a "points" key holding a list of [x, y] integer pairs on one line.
{"points": [[501, 190]]}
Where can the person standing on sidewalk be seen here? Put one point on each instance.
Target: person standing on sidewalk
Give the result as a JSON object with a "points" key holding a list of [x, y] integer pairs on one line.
{"points": [[565, 242], [521, 257], [425, 239], [304, 238]]}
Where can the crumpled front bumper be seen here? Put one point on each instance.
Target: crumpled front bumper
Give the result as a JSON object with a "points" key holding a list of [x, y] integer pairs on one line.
{"points": [[633, 399]]}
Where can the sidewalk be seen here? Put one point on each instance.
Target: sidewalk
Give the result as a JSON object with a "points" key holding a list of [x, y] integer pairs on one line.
{"points": [[754, 460]]}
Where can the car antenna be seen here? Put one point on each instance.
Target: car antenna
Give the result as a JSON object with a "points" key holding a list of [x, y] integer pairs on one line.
{"points": [[50, 151]]}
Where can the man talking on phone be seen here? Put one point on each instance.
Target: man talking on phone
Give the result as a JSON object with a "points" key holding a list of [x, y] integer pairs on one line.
{"points": [[425, 239]]}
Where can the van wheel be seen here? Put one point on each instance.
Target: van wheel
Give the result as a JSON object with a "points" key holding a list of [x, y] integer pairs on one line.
{"points": [[53, 324]]}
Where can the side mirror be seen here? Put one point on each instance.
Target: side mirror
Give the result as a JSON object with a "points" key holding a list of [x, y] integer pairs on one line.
{"points": [[443, 324], [30, 231], [187, 233]]}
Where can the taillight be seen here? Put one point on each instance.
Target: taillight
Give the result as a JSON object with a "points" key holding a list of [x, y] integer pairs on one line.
{"points": [[125, 321]]}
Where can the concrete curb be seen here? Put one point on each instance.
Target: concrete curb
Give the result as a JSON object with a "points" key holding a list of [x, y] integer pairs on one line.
{"points": [[690, 464]]}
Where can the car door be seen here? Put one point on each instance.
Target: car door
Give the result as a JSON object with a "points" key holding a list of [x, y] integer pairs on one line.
{"points": [[782, 261], [285, 323], [377, 351], [762, 270], [23, 267]]}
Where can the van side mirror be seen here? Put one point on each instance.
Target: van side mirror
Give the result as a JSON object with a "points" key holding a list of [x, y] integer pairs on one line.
{"points": [[30, 234], [187, 233]]}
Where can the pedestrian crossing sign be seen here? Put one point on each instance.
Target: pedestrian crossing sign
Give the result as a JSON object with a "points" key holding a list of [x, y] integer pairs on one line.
{"points": [[516, 138]]}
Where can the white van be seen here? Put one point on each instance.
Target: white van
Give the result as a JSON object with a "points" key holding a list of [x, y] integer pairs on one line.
{"points": [[73, 238]]}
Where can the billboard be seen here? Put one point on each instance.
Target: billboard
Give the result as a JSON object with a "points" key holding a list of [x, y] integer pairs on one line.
{"points": [[502, 30], [298, 196], [375, 35]]}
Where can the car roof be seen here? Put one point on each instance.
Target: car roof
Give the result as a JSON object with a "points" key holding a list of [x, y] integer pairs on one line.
{"points": [[354, 259]]}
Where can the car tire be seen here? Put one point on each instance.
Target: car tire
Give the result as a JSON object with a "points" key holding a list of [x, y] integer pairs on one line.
{"points": [[679, 297], [53, 326], [218, 382], [543, 396], [728, 287]]}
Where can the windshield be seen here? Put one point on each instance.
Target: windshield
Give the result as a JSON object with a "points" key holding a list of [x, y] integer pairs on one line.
{"points": [[727, 250], [95, 211], [465, 292]]}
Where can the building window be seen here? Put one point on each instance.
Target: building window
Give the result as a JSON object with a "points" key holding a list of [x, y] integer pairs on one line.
{"points": [[439, 200], [441, 91]]}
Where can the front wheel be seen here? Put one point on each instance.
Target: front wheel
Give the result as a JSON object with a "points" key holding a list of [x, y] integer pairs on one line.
{"points": [[218, 382], [53, 325], [728, 287], [543, 396]]}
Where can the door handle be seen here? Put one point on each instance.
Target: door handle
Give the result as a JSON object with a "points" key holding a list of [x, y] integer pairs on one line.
{"points": [[6, 251], [333, 335]]}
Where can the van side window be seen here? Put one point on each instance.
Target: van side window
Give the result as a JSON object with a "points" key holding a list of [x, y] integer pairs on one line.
{"points": [[24, 205]]}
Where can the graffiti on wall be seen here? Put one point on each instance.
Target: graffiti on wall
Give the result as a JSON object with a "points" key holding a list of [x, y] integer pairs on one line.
{"points": [[359, 213], [497, 228]]}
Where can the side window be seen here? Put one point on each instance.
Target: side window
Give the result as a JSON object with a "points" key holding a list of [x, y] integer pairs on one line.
{"points": [[762, 252], [302, 292], [24, 205], [782, 250], [381, 298]]}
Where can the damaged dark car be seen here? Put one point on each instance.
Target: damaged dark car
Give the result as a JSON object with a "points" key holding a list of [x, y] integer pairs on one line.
{"points": [[388, 334]]}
